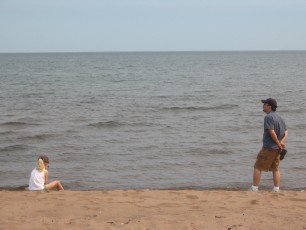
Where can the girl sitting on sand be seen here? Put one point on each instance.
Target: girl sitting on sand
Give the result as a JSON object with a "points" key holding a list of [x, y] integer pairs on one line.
{"points": [[39, 177]]}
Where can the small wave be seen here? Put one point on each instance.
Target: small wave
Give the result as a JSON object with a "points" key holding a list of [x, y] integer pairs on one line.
{"points": [[299, 126], [7, 133], [12, 188], [117, 124], [298, 169], [15, 124], [220, 107], [13, 148], [106, 124], [149, 147], [219, 152], [38, 137], [293, 111]]}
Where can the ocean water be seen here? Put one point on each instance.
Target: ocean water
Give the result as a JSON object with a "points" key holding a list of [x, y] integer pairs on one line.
{"points": [[155, 120]]}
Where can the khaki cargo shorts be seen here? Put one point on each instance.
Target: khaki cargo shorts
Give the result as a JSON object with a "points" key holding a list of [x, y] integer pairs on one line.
{"points": [[267, 160]]}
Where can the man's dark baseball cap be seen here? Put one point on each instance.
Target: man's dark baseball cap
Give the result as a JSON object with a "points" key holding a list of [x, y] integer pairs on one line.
{"points": [[270, 101]]}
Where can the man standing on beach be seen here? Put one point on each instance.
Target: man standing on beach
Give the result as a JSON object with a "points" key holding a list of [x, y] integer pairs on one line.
{"points": [[274, 137]]}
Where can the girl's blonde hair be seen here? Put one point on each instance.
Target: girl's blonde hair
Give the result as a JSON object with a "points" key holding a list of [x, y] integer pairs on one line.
{"points": [[40, 165]]}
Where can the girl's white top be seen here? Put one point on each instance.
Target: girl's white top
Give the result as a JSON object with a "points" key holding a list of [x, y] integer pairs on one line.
{"points": [[37, 180]]}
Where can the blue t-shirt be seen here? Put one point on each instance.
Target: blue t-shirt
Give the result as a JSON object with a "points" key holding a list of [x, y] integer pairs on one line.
{"points": [[273, 121]]}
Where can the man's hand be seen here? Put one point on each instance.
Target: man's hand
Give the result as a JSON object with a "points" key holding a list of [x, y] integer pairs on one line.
{"points": [[275, 139]]}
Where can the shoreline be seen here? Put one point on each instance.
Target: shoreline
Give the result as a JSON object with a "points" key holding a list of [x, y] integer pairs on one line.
{"points": [[263, 188], [153, 209]]}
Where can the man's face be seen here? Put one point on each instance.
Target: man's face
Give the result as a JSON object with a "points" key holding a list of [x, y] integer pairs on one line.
{"points": [[266, 108]]}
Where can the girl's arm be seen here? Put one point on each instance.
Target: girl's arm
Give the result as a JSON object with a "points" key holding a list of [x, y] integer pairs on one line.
{"points": [[46, 176]]}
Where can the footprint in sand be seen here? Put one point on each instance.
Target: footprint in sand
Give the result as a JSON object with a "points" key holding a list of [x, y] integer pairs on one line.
{"points": [[254, 202], [195, 208], [192, 197], [167, 205]]}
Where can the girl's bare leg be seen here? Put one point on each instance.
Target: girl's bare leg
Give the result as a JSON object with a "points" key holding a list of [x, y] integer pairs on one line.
{"points": [[55, 184]]}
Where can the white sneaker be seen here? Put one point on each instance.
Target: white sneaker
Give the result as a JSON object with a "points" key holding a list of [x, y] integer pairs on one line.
{"points": [[253, 189], [275, 190]]}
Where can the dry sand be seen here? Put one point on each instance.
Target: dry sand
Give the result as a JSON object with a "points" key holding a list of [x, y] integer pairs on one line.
{"points": [[152, 209]]}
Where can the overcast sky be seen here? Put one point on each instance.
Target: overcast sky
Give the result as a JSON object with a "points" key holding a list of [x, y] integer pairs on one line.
{"points": [[151, 25]]}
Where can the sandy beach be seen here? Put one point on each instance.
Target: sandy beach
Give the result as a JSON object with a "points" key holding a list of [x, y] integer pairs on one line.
{"points": [[152, 209]]}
